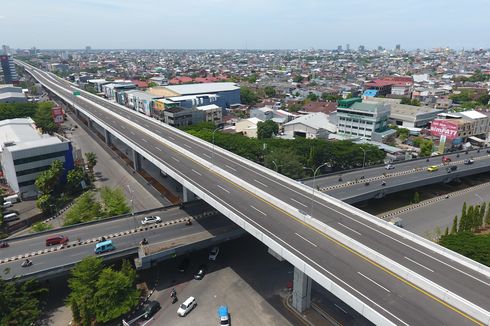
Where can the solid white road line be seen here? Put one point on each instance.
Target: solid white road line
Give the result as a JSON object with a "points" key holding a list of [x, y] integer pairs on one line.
{"points": [[225, 190], [260, 182], [186, 145], [158, 148], [171, 137], [348, 228], [373, 282], [258, 210], [206, 155], [298, 202], [413, 261], [314, 245], [173, 158], [144, 140], [196, 172], [229, 167]]}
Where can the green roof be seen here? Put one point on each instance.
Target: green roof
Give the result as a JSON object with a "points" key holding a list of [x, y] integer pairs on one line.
{"points": [[347, 103]]}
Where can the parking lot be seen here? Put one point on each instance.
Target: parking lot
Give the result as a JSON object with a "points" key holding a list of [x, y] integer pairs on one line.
{"points": [[244, 277]]}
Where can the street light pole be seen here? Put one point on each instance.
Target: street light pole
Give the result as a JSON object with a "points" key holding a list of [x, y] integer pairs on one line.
{"points": [[276, 166], [314, 185], [364, 157], [132, 197]]}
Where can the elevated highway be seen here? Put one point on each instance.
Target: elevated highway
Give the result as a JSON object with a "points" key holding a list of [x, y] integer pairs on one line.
{"points": [[388, 275]]}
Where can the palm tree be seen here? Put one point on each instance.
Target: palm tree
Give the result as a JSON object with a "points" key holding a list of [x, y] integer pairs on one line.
{"points": [[91, 161]]}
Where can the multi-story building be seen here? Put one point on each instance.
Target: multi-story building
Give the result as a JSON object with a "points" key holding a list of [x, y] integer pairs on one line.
{"points": [[11, 94], [25, 153], [8, 67], [359, 119]]}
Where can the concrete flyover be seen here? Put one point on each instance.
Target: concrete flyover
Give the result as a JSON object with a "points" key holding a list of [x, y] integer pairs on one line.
{"points": [[349, 186], [388, 275]]}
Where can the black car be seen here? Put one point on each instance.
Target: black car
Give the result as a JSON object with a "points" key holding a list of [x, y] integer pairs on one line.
{"points": [[183, 265], [151, 308], [200, 272]]}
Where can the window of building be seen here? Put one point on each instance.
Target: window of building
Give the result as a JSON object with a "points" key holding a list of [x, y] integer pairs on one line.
{"points": [[33, 170], [26, 183], [38, 157]]}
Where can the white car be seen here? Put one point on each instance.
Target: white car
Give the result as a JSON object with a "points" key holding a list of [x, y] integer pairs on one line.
{"points": [[187, 306], [213, 253], [389, 167], [151, 220]]}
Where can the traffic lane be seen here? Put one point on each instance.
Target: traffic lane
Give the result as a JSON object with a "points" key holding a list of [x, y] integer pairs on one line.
{"points": [[90, 231], [345, 263], [77, 253], [412, 306]]}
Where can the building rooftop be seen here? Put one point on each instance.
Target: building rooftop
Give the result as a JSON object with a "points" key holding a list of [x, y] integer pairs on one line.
{"points": [[473, 114], [11, 95], [316, 120], [207, 107], [203, 88], [21, 133]]}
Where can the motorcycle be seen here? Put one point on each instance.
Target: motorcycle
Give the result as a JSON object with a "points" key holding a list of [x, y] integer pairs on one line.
{"points": [[144, 242], [26, 263], [189, 222], [383, 183], [4, 244]]}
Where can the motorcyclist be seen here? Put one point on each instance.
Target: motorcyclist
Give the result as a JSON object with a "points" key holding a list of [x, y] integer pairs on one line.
{"points": [[173, 294], [26, 262], [144, 241], [383, 183]]}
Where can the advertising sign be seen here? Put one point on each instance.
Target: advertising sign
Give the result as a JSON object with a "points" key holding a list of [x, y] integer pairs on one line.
{"points": [[444, 128], [57, 114]]}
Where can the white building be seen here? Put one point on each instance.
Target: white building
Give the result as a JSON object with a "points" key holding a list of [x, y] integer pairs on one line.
{"points": [[25, 153], [211, 113], [248, 127], [362, 119], [314, 125]]}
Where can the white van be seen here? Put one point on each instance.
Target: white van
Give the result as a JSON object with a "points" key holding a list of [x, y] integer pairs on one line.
{"points": [[10, 217], [187, 306], [12, 198], [7, 204]]}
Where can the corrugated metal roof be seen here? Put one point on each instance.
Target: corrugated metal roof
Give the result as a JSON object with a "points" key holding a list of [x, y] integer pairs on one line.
{"points": [[203, 88]]}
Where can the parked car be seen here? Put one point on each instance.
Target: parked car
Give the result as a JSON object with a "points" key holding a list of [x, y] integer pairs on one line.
{"points": [[151, 308], [224, 316], [184, 264], [213, 254], [389, 167], [200, 272], [432, 168], [187, 306], [151, 219]]}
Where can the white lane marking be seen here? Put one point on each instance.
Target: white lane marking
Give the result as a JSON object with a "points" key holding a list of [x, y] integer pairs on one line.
{"points": [[186, 145], [225, 190], [373, 282], [413, 261], [132, 133], [173, 158], [314, 245], [144, 140], [158, 148], [196, 172], [348, 228], [229, 167], [260, 182], [298, 202], [258, 210], [171, 137], [336, 305], [206, 155], [122, 127]]}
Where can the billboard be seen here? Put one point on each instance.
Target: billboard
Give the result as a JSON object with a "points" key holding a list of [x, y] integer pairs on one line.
{"points": [[57, 114], [444, 128]]}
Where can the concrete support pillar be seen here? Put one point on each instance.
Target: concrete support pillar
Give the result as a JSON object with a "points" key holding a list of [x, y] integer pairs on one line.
{"points": [[77, 112], [301, 291], [90, 123], [107, 136], [136, 161], [185, 194]]}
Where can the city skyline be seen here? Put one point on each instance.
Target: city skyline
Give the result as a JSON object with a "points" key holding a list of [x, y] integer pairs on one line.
{"points": [[218, 24]]}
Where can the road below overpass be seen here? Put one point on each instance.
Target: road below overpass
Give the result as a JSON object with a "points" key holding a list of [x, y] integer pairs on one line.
{"points": [[352, 188], [389, 294], [173, 226]]}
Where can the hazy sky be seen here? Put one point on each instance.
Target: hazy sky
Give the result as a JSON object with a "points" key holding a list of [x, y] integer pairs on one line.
{"points": [[251, 24]]}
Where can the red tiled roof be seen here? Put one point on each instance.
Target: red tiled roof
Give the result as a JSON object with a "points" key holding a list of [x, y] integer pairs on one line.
{"points": [[325, 107], [140, 83], [180, 80]]}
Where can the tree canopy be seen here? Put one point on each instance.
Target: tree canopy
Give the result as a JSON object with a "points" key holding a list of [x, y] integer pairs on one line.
{"points": [[267, 129], [113, 201], [248, 96], [20, 302], [85, 209]]}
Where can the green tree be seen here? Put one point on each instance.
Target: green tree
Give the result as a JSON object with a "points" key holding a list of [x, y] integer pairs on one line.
{"points": [[91, 161], [470, 214], [44, 118], [403, 133], [113, 202], [481, 216], [267, 129], [115, 296], [74, 178], [83, 285], [312, 97], [41, 226], [44, 202], [20, 302], [476, 247], [248, 96], [487, 216], [49, 181], [85, 209], [454, 227], [426, 148], [416, 197], [462, 220], [287, 161], [298, 79], [152, 84], [330, 97], [252, 79], [446, 232], [270, 91]]}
